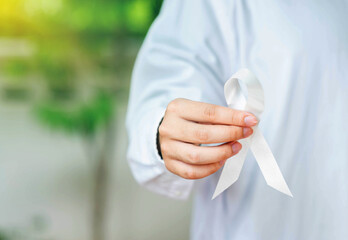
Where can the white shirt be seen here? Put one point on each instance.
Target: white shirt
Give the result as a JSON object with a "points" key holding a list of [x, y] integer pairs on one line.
{"points": [[299, 52]]}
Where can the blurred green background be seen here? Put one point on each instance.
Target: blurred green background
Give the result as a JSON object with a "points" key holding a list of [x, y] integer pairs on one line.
{"points": [[65, 69]]}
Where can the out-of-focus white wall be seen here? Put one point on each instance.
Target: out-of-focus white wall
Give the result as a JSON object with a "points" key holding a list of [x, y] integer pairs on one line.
{"points": [[45, 187]]}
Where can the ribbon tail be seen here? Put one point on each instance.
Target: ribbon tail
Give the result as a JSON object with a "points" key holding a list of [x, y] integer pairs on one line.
{"points": [[232, 168], [267, 163]]}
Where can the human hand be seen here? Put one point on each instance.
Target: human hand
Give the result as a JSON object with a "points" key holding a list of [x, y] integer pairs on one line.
{"points": [[187, 124]]}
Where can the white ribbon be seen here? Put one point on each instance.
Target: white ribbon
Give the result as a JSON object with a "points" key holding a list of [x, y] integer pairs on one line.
{"points": [[253, 103]]}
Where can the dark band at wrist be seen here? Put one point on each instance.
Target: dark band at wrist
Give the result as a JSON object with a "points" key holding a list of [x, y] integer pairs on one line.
{"points": [[158, 145]]}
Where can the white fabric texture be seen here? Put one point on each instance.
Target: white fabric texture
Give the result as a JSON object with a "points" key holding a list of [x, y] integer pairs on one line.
{"points": [[299, 52]]}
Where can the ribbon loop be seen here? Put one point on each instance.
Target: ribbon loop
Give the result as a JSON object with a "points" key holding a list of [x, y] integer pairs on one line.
{"points": [[253, 103]]}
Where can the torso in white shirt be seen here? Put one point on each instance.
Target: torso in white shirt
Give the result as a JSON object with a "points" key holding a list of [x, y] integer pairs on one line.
{"points": [[299, 51]]}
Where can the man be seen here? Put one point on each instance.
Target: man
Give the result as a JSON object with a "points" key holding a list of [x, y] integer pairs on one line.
{"points": [[299, 52]]}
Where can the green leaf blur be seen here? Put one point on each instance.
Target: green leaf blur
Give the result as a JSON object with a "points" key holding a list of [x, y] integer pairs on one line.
{"points": [[71, 52], [70, 62]]}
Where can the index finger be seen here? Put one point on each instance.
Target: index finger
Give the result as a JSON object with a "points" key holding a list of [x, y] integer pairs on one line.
{"points": [[211, 113]]}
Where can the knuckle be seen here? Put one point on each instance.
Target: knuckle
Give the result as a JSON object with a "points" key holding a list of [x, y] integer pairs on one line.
{"points": [[174, 105], [164, 148], [226, 153], [235, 133], [163, 130], [202, 134], [210, 113], [190, 174], [214, 168], [237, 117], [240, 134], [168, 165], [194, 157], [232, 133]]}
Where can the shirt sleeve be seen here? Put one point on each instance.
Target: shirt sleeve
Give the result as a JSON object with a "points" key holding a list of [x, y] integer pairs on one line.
{"points": [[181, 57]]}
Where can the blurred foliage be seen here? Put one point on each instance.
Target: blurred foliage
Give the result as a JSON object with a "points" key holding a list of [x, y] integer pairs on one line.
{"points": [[71, 59], [18, 68], [3, 237], [30, 17], [78, 46], [83, 119]]}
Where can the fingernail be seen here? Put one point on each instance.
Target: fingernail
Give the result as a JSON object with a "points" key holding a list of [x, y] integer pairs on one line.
{"points": [[250, 120], [247, 132], [236, 147]]}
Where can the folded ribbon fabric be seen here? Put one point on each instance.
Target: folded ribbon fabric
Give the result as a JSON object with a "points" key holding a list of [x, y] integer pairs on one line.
{"points": [[253, 102]]}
